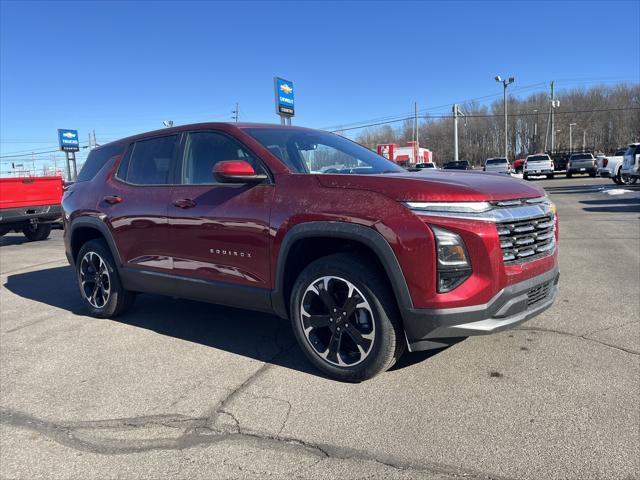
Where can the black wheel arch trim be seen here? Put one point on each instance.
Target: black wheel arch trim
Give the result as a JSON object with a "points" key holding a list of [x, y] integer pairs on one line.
{"points": [[349, 231], [97, 224]]}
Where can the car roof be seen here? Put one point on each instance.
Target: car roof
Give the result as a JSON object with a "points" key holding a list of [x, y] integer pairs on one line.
{"points": [[202, 126]]}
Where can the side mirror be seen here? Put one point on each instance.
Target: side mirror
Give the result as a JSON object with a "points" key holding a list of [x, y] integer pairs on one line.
{"points": [[236, 171]]}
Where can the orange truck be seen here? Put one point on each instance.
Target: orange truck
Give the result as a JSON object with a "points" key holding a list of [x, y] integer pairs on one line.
{"points": [[29, 205]]}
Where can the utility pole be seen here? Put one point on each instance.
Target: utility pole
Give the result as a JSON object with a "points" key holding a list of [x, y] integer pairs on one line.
{"points": [[236, 113], [571, 125], [456, 113], [584, 140], [553, 105], [535, 132], [416, 148]]}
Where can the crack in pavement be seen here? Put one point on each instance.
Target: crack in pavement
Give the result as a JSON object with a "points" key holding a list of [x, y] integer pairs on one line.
{"points": [[70, 435], [210, 428], [583, 337]]}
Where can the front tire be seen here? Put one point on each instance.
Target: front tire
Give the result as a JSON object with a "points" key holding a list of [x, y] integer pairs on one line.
{"points": [[550, 176], [37, 232], [569, 175], [99, 283], [525, 176], [345, 318]]}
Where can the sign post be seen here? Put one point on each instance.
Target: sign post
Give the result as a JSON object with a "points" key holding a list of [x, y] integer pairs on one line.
{"points": [[284, 99], [69, 144]]}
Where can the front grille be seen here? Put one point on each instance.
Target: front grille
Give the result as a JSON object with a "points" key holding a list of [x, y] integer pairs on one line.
{"points": [[539, 293], [525, 240]]}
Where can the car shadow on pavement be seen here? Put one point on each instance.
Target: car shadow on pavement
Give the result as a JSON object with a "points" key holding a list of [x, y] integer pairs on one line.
{"points": [[13, 240], [612, 205], [582, 189], [261, 336]]}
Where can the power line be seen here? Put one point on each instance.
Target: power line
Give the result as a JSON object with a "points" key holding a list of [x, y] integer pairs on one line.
{"points": [[488, 115]]}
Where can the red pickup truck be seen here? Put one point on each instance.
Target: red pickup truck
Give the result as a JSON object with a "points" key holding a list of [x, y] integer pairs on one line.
{"points": [[363, 257], [29, 205]]}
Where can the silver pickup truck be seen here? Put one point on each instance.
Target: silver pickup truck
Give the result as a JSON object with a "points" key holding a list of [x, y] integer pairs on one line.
{"points": [[539, 164], [582, 163]]}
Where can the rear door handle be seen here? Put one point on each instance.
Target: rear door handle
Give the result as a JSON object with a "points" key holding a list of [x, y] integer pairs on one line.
{"points": [[112, 199], [184, 203]]}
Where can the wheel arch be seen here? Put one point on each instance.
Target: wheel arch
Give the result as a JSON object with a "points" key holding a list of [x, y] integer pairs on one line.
{"points": [[307, 242], [85, 229]]}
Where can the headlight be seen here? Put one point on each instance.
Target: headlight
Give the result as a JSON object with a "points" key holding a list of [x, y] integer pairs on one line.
{"points": [[453, 261], [457, 207]]}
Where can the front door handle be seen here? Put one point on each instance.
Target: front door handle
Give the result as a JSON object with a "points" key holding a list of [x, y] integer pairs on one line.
{"points": [[184, 203], [112, 199]]}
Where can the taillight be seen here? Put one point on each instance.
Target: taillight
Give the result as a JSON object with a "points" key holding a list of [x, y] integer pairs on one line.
{"points": [[569, 164], [605, 162], [595, 163]]}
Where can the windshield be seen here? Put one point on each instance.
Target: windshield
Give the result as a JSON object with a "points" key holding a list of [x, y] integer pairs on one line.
{"points": [[496, 161], [538, 158], [582, 156], [312, 151]]}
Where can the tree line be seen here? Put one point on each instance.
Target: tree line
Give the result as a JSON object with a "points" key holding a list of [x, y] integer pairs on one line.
{"points": [[606, 118]]}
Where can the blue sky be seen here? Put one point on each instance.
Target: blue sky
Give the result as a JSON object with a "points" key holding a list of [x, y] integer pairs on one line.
{"points": [[122, 68]]}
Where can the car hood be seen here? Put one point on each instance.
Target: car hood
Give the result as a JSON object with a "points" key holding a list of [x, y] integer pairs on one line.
{"points": [[438, 185]]}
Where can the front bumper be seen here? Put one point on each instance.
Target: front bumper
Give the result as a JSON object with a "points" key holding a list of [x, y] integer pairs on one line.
{"points": [[434, 328]]}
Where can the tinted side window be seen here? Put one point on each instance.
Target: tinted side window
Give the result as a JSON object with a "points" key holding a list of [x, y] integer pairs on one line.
{"points": [[150, 161], [204, 149], [96, 160]]}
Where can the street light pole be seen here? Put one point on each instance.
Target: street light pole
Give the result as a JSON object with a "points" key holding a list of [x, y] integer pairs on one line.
{"points": [[571, 125], [506, 82]]}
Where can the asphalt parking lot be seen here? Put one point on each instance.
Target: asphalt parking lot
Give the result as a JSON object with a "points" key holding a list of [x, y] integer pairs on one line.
{"points": [[178, 389]]}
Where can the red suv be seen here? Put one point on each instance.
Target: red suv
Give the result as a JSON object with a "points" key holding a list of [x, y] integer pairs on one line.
{"points": [[363, 257]]}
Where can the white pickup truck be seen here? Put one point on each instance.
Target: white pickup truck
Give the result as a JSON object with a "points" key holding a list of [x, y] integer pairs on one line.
{"points": [[609, 166]]}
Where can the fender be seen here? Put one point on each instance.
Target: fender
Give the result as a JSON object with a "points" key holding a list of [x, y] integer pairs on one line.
{"points": [[102, 227], [351, 231]]}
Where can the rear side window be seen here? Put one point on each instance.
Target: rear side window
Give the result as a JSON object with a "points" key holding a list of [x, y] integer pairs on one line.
{"points": [[96, 160], [150, 161]]}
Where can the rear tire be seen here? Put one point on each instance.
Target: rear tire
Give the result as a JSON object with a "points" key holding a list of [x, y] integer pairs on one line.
{"points": [[569, 175], [37, 232], [550, 176], [4, 231], [99, 283], [352, 346], [525, 176], [592, 174]]}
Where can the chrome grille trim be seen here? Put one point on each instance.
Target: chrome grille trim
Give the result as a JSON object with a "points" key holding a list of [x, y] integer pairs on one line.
{"points": [[527, 239]]}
